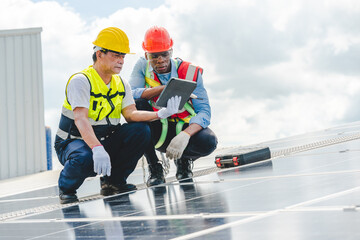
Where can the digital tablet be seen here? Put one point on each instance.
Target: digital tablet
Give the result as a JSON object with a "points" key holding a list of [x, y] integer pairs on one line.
{"points": [[179, 87]]}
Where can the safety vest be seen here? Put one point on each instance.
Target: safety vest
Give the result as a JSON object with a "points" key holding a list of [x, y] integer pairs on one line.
{"points": [[185, 71], [104, 109]]}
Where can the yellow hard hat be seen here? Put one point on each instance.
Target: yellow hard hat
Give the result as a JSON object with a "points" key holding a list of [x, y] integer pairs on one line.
{"points": [[114, 39]]}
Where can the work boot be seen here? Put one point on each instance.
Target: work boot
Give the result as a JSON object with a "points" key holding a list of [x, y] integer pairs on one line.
{"points": [[108, 188], [66, 198], [184, 169], [156, 176]]}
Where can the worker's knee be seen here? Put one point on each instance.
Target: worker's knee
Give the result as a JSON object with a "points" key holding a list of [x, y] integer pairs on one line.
{"points": [[205, 141], [139, 134], [79, 164], [210, 142], [141, 129], [84, 158]]}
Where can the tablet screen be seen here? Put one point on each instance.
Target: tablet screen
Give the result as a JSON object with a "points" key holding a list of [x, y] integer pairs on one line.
{"points": [[179, 87]]}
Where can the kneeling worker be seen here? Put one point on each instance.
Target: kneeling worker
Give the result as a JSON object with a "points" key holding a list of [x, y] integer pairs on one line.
{"points": [[188, 136], [90, 139]]}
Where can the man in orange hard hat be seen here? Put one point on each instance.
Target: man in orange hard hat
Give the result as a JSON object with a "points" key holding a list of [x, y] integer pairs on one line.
{"points": [[188, 136], [90, 139]]}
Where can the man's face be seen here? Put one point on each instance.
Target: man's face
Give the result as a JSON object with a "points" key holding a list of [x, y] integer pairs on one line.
{"points": [[160, 61], [113, 62]]}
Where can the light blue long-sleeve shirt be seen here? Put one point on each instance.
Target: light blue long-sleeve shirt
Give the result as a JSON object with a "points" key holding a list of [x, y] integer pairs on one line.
{"points": [[201, 105]]}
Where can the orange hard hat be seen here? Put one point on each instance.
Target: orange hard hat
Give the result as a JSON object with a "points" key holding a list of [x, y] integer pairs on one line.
{"points": [[157, 39]]}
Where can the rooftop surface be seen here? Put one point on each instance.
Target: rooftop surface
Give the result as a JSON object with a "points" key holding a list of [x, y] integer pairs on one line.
{"points": [[309, 189]]}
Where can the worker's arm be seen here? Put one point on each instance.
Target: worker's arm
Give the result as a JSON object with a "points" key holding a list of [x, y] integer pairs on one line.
{"points": [[193, 128], [201, 105], [102, 163], [78, 94], [84, 126], [150, 93], [131, 114]]}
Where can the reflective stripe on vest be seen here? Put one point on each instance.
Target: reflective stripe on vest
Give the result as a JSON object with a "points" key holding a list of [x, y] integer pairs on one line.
{"points": [[104, 111]]}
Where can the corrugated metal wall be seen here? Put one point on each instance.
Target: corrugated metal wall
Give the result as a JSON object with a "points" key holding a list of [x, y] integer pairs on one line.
{"points": [[22, 129]]}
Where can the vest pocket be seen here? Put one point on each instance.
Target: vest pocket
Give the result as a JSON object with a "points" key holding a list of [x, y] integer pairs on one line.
{"points": [[94, 105]]}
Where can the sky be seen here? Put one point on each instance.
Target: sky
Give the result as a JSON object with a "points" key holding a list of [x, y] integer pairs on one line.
{"points": [[272, 68]]}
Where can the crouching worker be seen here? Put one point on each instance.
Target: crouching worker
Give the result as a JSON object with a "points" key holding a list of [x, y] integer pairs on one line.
{"points": [[90, 139], [184, 136]]}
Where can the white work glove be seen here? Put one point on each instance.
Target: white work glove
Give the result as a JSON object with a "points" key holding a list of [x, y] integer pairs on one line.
{"points": [[177, 145], [102, 164], [172, 107]]}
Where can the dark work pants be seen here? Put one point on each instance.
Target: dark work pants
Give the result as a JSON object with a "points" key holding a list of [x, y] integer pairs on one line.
{"points": [[200, 144], [125, 147]]}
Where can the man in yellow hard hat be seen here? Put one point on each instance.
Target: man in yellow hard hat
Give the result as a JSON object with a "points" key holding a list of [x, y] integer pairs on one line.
{"points": [[188, 136], [90, 139]]}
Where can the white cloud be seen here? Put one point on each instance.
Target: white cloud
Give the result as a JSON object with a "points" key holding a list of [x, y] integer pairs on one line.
{"points": [[247, 121], [272, 68]]}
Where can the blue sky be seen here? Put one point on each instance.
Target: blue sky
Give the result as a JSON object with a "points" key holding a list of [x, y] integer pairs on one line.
{"points": [[272, 68]]}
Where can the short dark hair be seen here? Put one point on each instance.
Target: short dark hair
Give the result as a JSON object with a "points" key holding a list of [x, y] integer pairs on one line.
{"points": [[102, 50]]}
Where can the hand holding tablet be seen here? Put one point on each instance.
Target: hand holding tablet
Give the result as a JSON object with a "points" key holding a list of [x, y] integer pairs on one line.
{"points": [[171, 107], [176, 87]]}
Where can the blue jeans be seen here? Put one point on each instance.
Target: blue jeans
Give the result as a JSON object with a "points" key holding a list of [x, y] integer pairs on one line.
{"points": [[125, 147]]}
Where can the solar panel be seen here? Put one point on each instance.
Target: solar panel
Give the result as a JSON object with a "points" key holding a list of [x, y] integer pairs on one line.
{"points": [[309, 189]]}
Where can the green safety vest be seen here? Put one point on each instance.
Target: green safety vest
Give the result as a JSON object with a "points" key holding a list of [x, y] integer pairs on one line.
{"points": [[104, 109]]}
